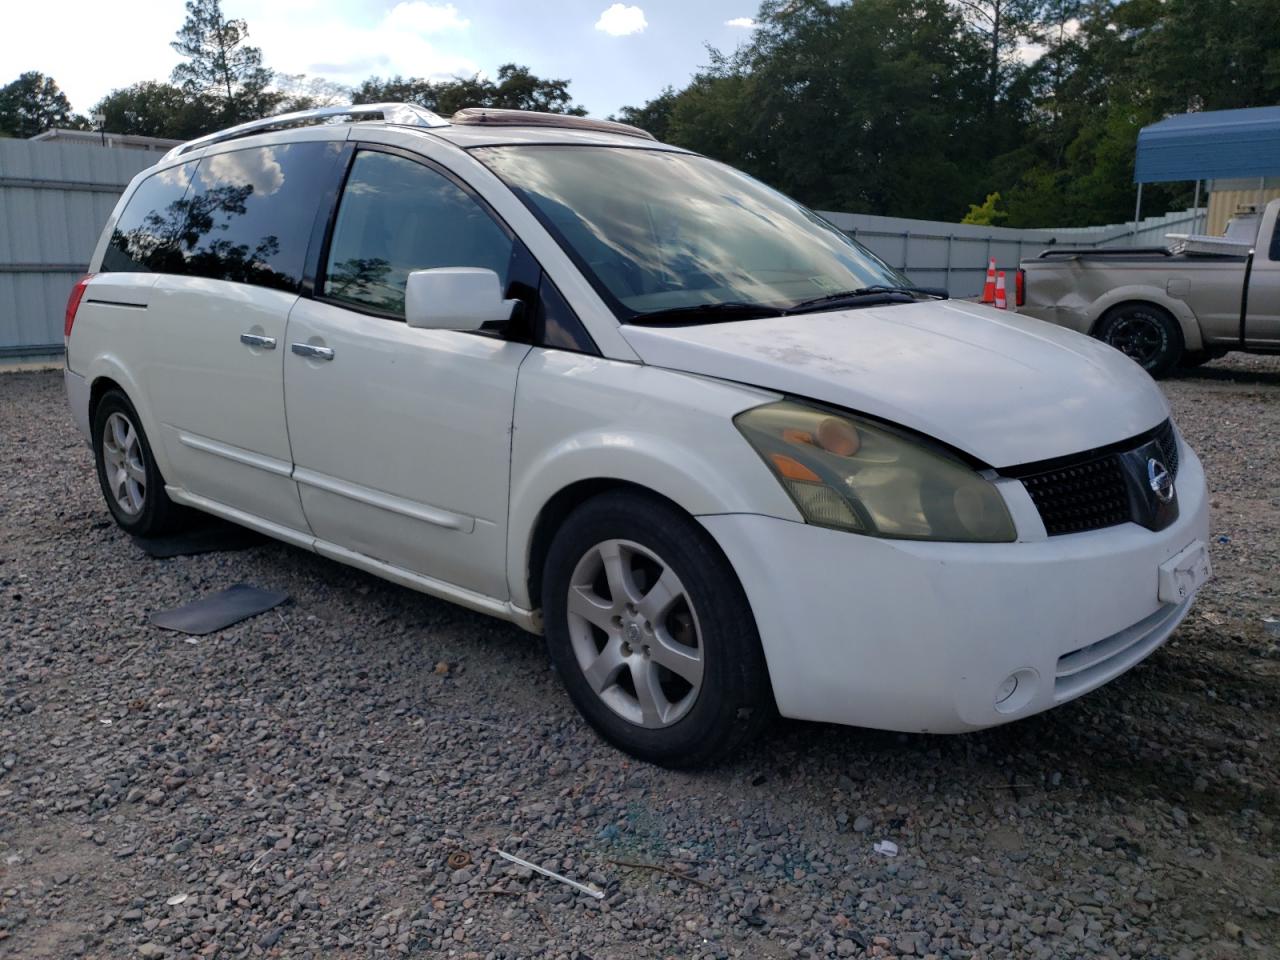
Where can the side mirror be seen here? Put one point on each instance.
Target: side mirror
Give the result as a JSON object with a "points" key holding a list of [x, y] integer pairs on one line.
{"points": [[455, 298]]}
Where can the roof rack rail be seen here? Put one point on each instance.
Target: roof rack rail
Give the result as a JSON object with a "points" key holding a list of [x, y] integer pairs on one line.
{"points": [[402, 113], [484, 116]]}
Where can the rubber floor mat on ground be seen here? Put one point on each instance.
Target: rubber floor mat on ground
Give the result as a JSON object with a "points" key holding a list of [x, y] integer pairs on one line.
{"points": [[219, 610], [213, 537]]}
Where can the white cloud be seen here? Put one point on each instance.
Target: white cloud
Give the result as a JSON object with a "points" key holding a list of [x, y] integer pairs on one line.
{"points": [[745, 23], [420, 17], [621, 21], [260, 169], [334, 44]]}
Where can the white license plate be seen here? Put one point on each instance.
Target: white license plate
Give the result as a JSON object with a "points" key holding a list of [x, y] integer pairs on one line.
{"points": [[1184, 574]]}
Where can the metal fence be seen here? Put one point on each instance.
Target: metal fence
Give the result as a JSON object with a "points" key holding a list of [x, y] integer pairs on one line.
{"points": [[54, 199], [955, 255]]}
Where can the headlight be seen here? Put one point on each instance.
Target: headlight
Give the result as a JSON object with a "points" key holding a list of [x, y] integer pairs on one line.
{"points": [[854, 474]]}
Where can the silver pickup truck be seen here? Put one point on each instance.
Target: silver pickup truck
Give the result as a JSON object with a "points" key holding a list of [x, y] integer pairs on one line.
{"points": [[1162, 308]]}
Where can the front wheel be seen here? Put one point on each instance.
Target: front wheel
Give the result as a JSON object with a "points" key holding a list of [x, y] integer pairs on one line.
{"points": [[651, 632], [1146, 334]]}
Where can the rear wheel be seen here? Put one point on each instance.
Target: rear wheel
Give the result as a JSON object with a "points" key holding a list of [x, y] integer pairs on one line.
{"points": [[127, 472], [652, 634], [1146, 334]]}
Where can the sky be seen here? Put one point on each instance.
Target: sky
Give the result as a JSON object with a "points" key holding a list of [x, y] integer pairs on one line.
{"points": [[615, 53]]}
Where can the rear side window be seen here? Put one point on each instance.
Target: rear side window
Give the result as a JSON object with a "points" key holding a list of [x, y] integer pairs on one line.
{"points": [[397, 216], [148, 236], [249, 212]]}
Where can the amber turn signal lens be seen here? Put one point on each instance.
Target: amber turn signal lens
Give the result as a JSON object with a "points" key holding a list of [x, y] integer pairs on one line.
{"points": [[791, 469]]}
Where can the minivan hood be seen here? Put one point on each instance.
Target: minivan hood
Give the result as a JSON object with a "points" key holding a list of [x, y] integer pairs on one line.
{"points": [[1004, 388]]}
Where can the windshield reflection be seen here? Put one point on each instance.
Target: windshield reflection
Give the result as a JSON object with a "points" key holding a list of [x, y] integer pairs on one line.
{"points": [[659, 231]]}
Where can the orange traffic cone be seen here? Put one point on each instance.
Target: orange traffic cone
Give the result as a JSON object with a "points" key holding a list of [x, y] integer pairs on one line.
{"points": [[1002, 302], [989, 289]]}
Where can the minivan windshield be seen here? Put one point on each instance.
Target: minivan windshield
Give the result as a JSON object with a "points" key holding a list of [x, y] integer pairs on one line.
{"points": [[665, 234]]}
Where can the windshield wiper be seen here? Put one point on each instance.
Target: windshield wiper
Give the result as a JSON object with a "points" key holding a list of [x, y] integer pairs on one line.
{"points": [[867, 297], [708, 313], [938, 293]]}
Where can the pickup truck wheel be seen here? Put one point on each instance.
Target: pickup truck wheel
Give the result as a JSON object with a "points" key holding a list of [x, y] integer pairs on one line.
{"points": [[652, 634], [1144, 333]]}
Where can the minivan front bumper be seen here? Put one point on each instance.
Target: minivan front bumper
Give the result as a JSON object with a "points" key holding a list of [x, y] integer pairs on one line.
{"points": [[928, 637]]}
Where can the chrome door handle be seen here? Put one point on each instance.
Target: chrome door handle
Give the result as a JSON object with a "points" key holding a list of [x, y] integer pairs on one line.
{"points": [[311, 351], [257, 340]]}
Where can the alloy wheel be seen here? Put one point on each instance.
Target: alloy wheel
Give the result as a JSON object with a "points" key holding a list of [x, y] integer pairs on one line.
{"points": [[126, 467], [1140, 336], [635, 633]]}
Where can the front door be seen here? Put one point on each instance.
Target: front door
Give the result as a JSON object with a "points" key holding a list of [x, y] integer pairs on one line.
{"points": [[401, 437], [215, 366]]}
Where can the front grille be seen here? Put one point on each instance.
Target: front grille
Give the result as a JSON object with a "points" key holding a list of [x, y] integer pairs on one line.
{"points": [[1168, 446], [1087, 496], [1089, 492]]}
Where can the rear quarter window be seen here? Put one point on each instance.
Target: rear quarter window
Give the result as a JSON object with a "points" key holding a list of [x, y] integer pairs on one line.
{"points": [[249, 212], [147, 238]]}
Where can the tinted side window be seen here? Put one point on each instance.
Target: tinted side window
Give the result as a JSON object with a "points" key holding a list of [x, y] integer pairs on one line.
{"points": [[557, 325], [249, 212], [397, 216], [147, 237]]}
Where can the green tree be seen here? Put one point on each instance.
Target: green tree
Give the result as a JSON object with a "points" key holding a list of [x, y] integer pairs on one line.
{"points": [[1001, 24], [515, 88], [221, 66], [153, 109], [875, 106], [987, 213], [918, 107], [654, 115], [32, 104]]}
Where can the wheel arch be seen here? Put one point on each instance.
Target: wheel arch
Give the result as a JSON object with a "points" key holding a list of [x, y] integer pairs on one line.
{"points": [[1144, 296], [106, 374], [99, 389], [556, 510], [714, 478]]}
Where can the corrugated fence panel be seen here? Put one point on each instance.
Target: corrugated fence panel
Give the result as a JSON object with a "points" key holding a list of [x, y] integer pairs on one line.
{"points": [[955, 255], [54, 200]]}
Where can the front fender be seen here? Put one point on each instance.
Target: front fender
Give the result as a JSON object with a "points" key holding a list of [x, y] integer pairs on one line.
{"points": [[583, 418]]}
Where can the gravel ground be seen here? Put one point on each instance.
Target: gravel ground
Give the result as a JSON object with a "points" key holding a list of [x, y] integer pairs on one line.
{"points": [[306, 784]]}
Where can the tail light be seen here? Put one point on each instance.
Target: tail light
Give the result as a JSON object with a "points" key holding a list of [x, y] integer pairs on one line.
{"points": [[73, 303], [1020, 288]]}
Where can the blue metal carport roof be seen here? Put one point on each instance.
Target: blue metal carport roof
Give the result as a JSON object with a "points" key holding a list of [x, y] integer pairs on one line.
{"points": [[1205, 146]]}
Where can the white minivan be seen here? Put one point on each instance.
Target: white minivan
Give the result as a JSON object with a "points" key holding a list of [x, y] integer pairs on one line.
{"points": [[727, 460]]}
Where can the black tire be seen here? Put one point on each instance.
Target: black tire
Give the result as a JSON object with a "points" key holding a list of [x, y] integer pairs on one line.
{"points": [[1145, 333], [734, 700], [156, 514]]}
